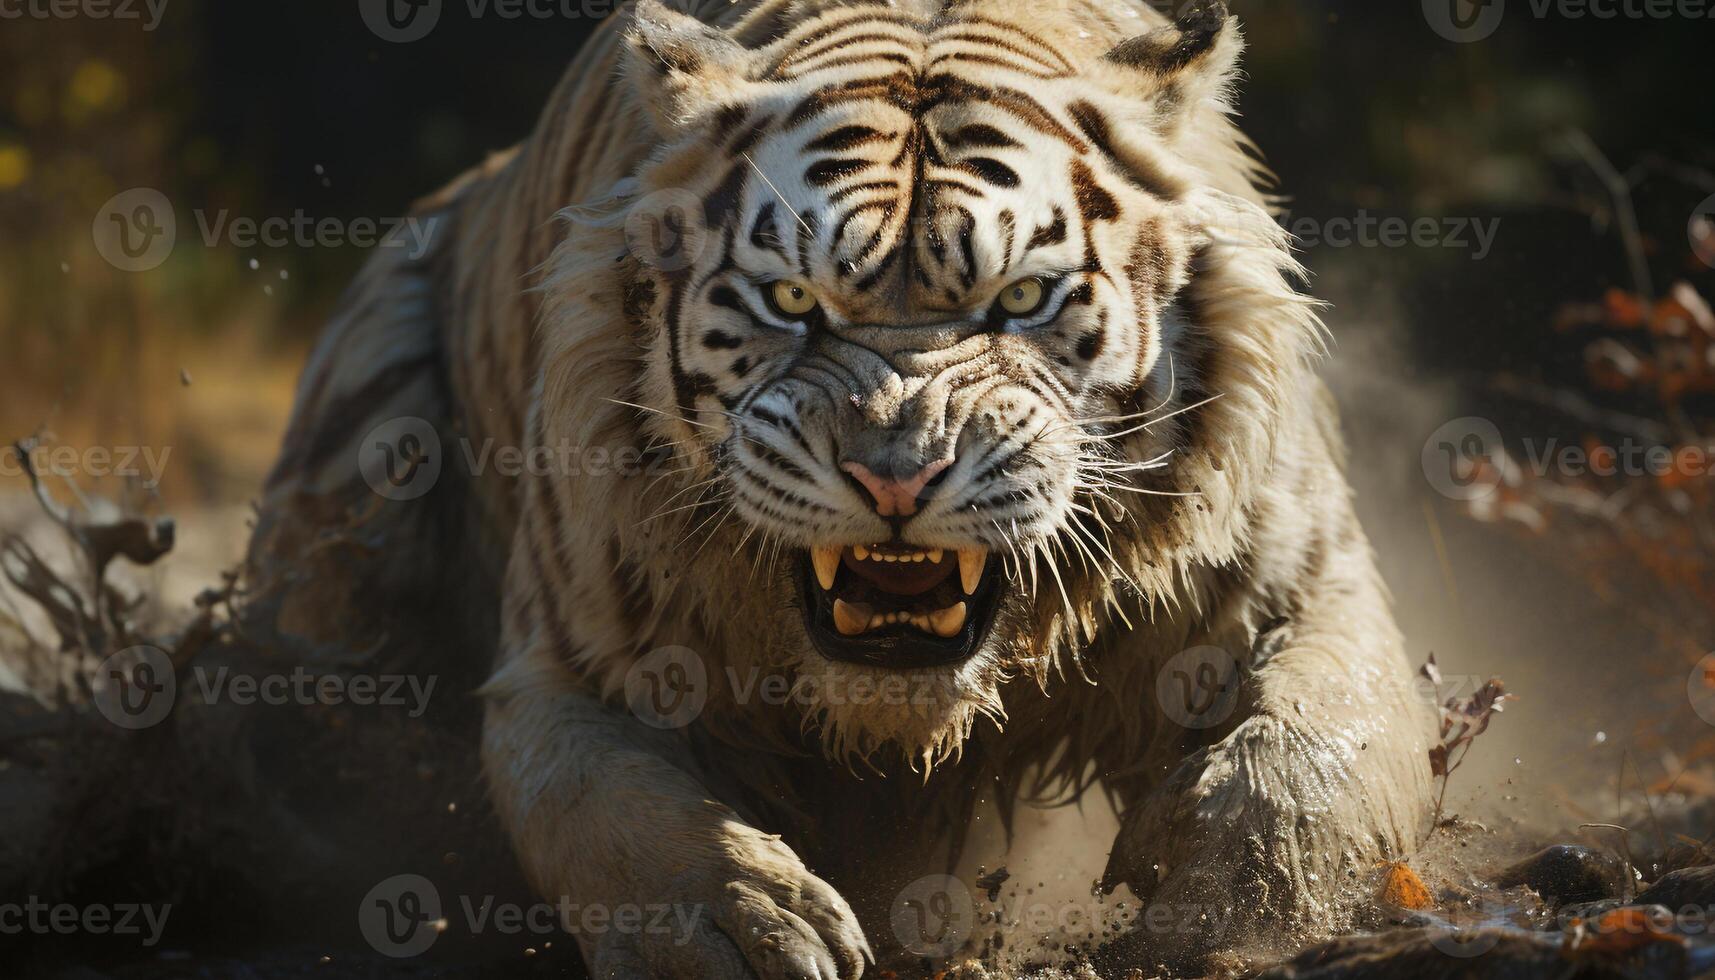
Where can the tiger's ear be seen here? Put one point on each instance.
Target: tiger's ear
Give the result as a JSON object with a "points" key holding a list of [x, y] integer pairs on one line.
{"points": [[680, 67], [1183, 64]]}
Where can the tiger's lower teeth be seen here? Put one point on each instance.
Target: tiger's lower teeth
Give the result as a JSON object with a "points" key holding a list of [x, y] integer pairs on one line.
{"points": [[853, 618]]}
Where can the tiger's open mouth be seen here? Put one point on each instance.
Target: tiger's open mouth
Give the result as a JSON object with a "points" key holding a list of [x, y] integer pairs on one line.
{"points": [[897, 606]]}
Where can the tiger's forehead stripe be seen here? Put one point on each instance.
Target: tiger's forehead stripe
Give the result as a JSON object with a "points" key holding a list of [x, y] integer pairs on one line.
{"points": [[904, 136]]}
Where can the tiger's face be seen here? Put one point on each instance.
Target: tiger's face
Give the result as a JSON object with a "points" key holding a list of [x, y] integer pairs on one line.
{"points": [[917, 298]]}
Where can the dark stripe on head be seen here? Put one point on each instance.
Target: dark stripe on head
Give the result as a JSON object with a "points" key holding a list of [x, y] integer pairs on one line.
{"points": [[898, 90], [765, 234], [749, 138], [1052, 234], [935, 184], [730, 118], [844, 138], [719, 340], [868, 282], [1094, 203], [721, 204], [684, 391], [1015, 31], [1044, 65], [977, 134], [825, 172], [951, 88], [810, 225], [989, 59], [993, 171], [967, 247], [802, 55], [726, 298], [868, 185], [867, 18], [1094, 126], [891, 57]]}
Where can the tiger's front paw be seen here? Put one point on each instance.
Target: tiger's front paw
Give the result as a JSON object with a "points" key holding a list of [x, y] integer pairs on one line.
{"points": [[756, 914], [1250, 841]]}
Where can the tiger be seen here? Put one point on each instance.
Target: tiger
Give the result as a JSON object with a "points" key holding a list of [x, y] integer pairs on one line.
{"points": [[977, 456]]}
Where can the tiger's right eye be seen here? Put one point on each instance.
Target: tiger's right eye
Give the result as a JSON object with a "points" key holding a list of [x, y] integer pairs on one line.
{"points": [[792, 298], [1023, 297]]}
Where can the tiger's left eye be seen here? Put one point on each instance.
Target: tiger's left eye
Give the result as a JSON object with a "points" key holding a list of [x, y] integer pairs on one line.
{"points": [[1023, 297], [792, 297]]}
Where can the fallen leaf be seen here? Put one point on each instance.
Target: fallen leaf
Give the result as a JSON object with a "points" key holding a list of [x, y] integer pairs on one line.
{"points": [[1402, 888], [1619, 932]]}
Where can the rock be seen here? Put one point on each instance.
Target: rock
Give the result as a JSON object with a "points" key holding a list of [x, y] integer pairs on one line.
{"points": [[1566, 873], [1678, 889]]}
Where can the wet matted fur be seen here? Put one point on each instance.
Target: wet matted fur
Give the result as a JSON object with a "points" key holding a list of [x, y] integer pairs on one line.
{"points": [[1151, 462]]}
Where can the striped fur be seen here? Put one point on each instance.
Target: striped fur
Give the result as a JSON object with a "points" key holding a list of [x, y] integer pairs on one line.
{"points": [[1152, 455]]}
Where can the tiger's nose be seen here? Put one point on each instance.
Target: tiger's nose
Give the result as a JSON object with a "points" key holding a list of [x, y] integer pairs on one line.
{"points": [[895, 496]]}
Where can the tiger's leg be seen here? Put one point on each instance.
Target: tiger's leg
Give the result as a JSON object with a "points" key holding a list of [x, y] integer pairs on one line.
{"points": [[605, 811], [1265, 835]]}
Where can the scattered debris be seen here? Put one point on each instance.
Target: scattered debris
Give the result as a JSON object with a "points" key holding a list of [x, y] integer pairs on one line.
{"points": [[992, 881], [1462, 720], [1402, 889]]}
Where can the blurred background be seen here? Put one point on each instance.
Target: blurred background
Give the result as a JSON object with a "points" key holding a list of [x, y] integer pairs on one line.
{"points": [[1558, 170]]}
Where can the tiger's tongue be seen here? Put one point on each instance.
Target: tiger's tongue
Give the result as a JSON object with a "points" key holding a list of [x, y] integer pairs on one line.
{"points": [[901, 578]]}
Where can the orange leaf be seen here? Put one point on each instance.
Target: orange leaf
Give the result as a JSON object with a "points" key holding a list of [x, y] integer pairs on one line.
{"points": [[1402, 888], [1619, 932]]}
